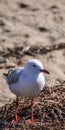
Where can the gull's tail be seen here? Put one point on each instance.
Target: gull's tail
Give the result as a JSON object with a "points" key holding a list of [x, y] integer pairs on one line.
{"points": [[5, 77]]}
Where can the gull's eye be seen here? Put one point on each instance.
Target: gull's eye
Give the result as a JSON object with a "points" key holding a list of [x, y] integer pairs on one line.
{"points": [[34, 65]]}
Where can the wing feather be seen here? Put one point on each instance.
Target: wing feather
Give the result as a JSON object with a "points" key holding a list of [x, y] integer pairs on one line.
{"points": [[13, 76]]}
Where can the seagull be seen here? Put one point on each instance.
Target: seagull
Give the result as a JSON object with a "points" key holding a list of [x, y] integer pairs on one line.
{"points": [[26, 81]]}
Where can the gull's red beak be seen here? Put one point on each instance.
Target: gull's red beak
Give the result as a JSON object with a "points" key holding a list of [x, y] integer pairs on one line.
{"points": [[45, 71]]}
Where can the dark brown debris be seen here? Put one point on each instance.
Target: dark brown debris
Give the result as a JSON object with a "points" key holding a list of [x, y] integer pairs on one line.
{"points": [[23, 5], [43, 29], [16, 53]]}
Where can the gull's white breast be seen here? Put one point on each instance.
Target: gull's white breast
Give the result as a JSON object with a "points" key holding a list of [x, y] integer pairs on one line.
{"points": [[27, 85]]}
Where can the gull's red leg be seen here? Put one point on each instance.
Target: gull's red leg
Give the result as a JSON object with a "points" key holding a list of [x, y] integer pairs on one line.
{"points": [[17, 118], [32, 117], [32, 104]]}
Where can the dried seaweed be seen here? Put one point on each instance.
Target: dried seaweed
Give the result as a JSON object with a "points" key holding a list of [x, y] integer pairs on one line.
{"points": [[49, 110]]}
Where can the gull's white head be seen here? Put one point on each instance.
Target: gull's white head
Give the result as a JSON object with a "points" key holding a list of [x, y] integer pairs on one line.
{"points": [[35, 66]]}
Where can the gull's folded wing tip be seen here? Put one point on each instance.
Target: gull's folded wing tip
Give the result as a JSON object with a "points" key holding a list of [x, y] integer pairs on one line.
{"points": [[5, 76]]}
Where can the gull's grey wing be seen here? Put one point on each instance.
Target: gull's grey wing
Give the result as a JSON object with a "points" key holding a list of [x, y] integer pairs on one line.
{"points": [[13, 75]]}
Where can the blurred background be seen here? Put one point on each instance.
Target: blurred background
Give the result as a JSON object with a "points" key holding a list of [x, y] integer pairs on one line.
{"points": [[32, 29]]}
